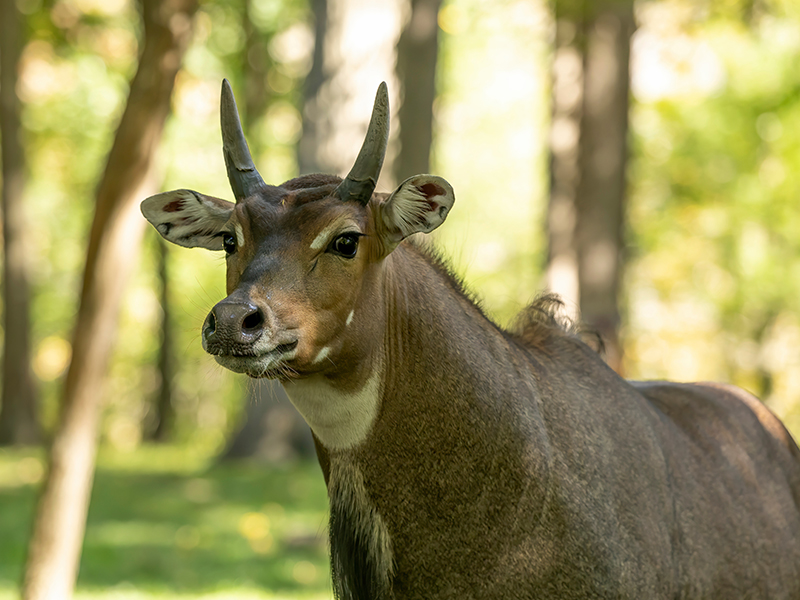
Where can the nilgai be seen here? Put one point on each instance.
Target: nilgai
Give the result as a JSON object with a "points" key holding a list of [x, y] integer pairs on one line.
{"points": [[463, 460]]}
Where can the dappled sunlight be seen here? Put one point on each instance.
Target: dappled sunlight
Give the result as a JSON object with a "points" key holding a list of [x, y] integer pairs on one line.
{"points": [[51, 358], [714, 227], [162, 524]]}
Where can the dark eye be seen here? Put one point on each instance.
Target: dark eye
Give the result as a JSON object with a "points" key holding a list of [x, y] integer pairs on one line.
{"points": [[346, 245], [229, 243]]}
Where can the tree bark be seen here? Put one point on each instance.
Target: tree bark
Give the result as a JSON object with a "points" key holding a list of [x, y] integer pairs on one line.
{"points": [[54, 550], [417, 53], [588, 158], [18, 424]]}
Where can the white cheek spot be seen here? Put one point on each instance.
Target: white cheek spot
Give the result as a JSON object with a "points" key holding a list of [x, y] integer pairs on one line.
{"points": [[322, 355], [239, 235], [349, 318]]}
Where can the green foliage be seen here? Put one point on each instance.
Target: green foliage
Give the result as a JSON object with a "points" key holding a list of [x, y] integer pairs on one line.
{"points": [[163, 523], [490, 143], [73, 82], [714, 219]]}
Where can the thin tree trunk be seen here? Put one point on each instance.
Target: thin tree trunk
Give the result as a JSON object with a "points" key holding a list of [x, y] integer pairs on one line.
{"points": [[307, 157], [256, 66], [272, 430], [54, 551], [417, 53], [354, 51], [565, 128], [588, 158], [601, 195], [164, 408], [18, 424]]}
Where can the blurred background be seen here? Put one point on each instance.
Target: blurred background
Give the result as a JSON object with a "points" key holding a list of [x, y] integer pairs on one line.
{"points": [[640, 158]]}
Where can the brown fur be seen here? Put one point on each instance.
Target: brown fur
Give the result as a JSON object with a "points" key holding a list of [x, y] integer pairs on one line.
{"points": [[538, 473], [500, 464]]}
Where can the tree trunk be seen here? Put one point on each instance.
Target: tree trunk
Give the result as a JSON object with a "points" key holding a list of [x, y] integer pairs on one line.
{"points": [[354, 51], [255, 68], [54, 550], [307, 160], [18, 424], [588, 158], [163, 409], [272, 430], [417, 52]]}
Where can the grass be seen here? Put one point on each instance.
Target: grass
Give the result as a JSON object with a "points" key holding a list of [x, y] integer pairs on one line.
{"points": [[163, 524]]}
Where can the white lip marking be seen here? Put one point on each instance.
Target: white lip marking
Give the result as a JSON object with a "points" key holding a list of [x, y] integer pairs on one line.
{"points": [[322, 355], [349, 318], [255, 365], [239, 235]]}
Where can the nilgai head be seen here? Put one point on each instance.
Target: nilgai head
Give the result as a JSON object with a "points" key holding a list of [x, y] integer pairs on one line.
{"points": [[304, 257]]}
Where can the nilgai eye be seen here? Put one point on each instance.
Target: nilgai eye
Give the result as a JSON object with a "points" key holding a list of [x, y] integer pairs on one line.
{"points": [[346, 245], [229, 243]]}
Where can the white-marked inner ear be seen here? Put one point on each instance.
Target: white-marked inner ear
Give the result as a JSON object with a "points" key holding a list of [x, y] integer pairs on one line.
{"points": [[188, 218], [419, 205]]}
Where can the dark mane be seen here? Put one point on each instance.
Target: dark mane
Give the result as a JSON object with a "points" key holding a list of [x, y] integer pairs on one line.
{"points": [[533, 326], [546, 316]]}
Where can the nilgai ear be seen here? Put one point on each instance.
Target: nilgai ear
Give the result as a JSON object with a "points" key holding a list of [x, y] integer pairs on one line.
{"points": [[419, 205], [188, 219]]}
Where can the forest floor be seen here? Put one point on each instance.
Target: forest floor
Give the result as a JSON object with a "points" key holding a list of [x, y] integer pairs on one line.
{"points": [[165, 523]]}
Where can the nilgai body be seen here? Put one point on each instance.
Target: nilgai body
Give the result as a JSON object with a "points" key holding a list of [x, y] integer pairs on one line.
{"points": [[463, 460]]}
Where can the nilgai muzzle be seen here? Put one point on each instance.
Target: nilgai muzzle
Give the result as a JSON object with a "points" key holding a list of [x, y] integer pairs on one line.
{"points": [[463, 460]]}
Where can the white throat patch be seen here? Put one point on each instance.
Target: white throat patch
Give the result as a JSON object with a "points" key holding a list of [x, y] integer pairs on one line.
{"points": [[339, 419]]}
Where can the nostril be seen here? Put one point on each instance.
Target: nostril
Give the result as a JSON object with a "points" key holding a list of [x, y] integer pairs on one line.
{"points": [[253, 321], [210, 326]]}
